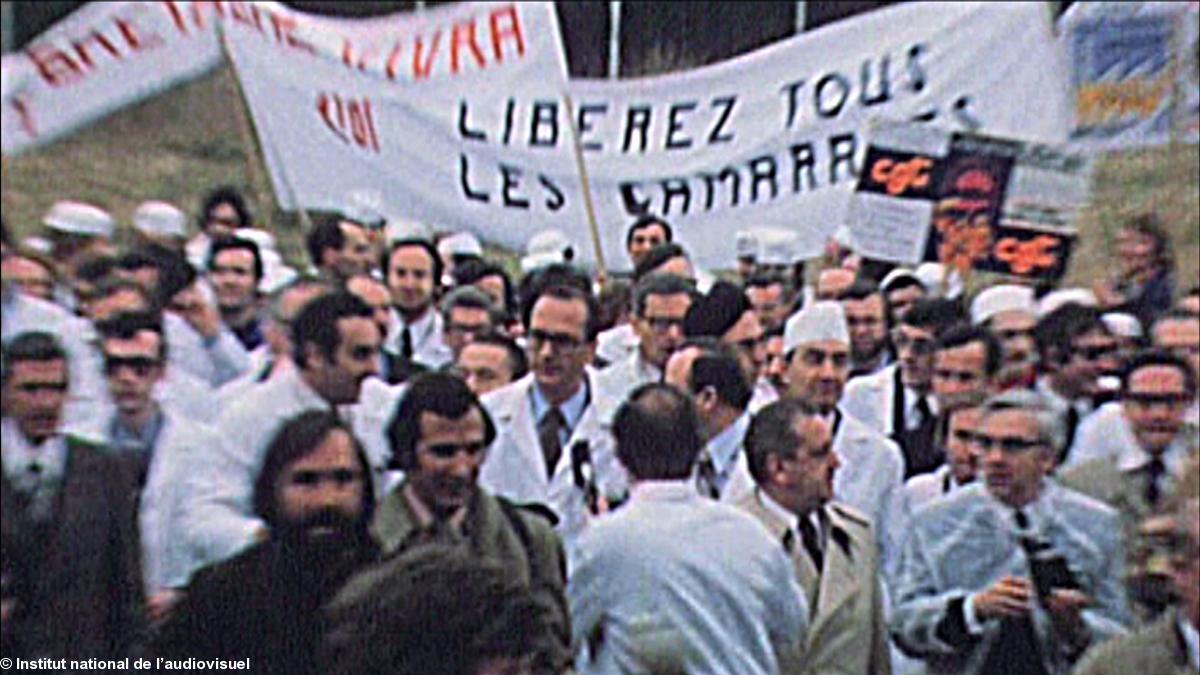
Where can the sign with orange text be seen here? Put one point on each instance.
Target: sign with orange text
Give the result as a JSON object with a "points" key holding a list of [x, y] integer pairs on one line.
{"points": [[968, 200]]}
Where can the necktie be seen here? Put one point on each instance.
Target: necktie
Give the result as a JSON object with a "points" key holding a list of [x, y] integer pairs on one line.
{"points": [[808, 535], [924, 411], [406, 343], [1154, 473], [706, 476], [1072, 425], [548, 436]]}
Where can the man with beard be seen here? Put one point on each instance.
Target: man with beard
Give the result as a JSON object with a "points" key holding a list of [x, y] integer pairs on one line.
{"points": [[314, 492], [440, 436], [335, 346]]}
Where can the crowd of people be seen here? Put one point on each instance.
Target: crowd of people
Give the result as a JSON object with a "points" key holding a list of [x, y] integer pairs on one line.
{"points": [[401, 458]]}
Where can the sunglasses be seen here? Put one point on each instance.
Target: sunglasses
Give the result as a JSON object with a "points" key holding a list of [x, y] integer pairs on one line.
{"points": [[451, 450], [1151, 400], [560, 341], [140, 365]]}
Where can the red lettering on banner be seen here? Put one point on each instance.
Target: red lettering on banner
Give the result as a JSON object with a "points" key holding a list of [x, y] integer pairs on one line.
{"points": [[393, 63], [55, 66], [511, 30], [85, 55], [351, 120], [421, 70], [25, 112], [136, 40], [464, 31], [176, 16]]}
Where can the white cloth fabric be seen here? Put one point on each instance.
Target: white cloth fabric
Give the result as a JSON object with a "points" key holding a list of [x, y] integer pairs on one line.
{"points": [[215, 360], [166, 558], [1002, 298], [515, 467], [925, 488], [617, 381], [1106, 434], [616, 344], [678, 583], [869, 398], [820, 321], [18, 455], [220, 520], [764, 394], [871, 480], [428, 345], [728, 452], [960, 545]]}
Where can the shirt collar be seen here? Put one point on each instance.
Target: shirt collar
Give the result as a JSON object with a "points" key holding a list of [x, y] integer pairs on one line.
{"points": [[1133, 458], [121, 436], [18, 453], [724, 447], [775, 508], [423, 515], [292, 381], [643, 369], [662, 491], [572, 409]]}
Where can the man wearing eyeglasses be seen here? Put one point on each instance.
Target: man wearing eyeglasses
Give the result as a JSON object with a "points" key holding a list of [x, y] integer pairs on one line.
{"points": [[898, 401], [817, 344], [660, 303], [1015, 574], [441, 436], [158, 443], [66, 520], [552, 446], [1156, 391]]}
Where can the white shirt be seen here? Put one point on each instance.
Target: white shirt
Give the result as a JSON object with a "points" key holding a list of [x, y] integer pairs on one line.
{"points": [[1191, 639], [428, 345], [572, 409], [19, 454], [617, 343], [729, 460]]}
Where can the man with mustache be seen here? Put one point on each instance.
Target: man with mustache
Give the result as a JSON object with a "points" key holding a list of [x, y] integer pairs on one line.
{"points": [[1156, 391], [335, 347], [440, 435], [314, 493]]}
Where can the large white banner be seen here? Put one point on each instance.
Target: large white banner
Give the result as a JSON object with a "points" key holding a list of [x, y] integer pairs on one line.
{"points": [[771, 138], [109, 55]]}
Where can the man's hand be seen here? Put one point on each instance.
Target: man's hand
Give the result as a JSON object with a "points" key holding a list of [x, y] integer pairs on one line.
{"points": [[159, 605], [197, 311], [1009, 597], [1065, 606]]}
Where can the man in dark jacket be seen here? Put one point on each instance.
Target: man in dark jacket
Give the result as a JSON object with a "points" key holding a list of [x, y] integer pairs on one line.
{"points": [[314, 493]]}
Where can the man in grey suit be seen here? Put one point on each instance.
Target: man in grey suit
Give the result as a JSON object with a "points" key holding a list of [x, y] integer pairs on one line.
{"points": [[70, 549], [832, 546], [1015, 575]]}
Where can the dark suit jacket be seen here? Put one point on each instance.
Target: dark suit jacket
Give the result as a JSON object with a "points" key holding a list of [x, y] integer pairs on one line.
{"points": [[78, 579]]}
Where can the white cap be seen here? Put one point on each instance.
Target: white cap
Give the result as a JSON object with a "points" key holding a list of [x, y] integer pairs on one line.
{"points": [[79, 218], [776, 246], [1055, 299], [746, 244], [545, 248], [459, 243], [897, 274], [38, 244], [1002, 298], [160, 219], [824, 320], [1123, 325], [265, 241], [931, 274], [400, 228]]}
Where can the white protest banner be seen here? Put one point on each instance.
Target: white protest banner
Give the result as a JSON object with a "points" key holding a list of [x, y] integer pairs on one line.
{"points": [[1135, 77], [108, 55], [770, 138], [398, 119], [102, 57]]}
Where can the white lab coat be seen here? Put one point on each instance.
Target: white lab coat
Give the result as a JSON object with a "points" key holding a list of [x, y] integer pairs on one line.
{"points": [[675, 582]]}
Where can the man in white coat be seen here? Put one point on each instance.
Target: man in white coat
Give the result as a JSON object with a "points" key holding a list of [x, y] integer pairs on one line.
{"points": [[159, 443], [1017, 574], [817, 343], [673, 582], [336, 349], [552, 446], [709, 370], [660, 302]]}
